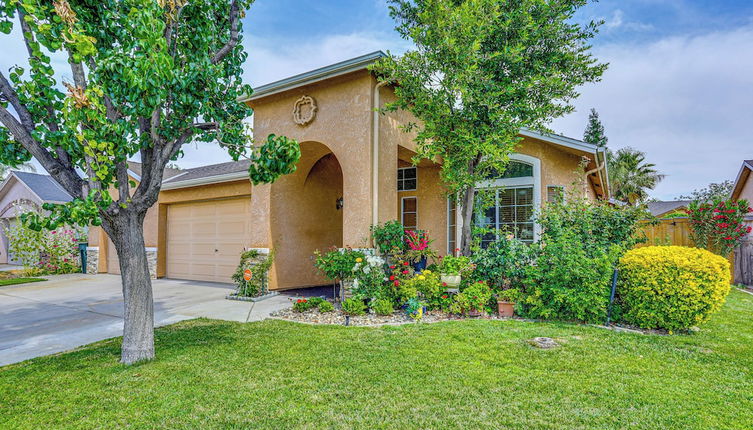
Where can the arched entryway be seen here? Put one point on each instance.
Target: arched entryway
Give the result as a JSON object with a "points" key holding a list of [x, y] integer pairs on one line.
{"points": [[306, 215]]}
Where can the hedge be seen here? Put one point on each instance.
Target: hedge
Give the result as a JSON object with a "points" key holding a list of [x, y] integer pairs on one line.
{"points": [[671, 287]]}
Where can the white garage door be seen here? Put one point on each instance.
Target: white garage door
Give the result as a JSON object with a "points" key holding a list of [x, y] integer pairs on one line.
{"points": [[205, 240]]}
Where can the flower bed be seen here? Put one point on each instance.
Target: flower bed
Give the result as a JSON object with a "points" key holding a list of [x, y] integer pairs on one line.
{"points": [[337, 317]]}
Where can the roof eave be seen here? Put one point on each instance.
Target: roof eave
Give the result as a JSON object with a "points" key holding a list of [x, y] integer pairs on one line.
{"points": [[738, 185], [208, 180], [317, 75]]}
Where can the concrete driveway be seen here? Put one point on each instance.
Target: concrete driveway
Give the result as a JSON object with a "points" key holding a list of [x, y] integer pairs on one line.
{"points": [[68, 311]]}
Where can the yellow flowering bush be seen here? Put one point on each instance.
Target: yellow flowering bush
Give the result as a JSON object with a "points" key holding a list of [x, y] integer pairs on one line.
{"points": [[671, 287]]}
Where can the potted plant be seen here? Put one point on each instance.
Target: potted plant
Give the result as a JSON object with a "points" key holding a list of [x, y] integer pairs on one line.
{"points": [[473, 300], [418, 248], [452, 269], [506, 300]]}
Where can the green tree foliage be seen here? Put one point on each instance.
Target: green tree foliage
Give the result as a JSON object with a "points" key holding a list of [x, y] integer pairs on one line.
{"points": [[481, 71], [595, 131], [714, 191], [630, 176], [148, 76]]}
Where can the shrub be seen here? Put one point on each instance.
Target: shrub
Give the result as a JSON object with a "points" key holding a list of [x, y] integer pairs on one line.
{"points": [[476, 297], [718, 226], [51, 251], [503, 263], [382, 307], [427, 284], [337, 264], [451, 265], [302, 305], [671, 287], [595, 225], [354, 306], [326, 306], [388, 237], [316, 301], [257, 285], [568, 282], [369, 278]]}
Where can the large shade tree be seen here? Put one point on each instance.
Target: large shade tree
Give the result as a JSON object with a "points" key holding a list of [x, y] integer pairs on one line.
{"points": [[481, 70], [146, 77]]}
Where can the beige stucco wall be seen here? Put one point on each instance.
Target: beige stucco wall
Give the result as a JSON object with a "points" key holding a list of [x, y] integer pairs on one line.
{"points": [[432, 205], [746, 192], [558, 167]]}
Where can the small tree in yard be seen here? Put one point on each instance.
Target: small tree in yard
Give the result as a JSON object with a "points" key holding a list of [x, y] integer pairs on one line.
{"points": [[148, 76], [482, 70]]}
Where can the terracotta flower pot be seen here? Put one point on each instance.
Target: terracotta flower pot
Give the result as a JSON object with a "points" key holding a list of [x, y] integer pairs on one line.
{"points": [[505, 309], [474, 313], [451, 280]]}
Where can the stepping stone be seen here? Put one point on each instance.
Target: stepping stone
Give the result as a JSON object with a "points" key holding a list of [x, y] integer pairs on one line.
{"points": [[543, 342]]}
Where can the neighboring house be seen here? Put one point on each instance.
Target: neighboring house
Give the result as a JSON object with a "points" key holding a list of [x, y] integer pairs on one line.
{"points": [[663, 209], [743, 189], [24, 190], [355, 170]]}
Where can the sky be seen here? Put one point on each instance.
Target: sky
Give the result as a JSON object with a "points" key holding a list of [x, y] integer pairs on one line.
{"points": [[679, 85]]}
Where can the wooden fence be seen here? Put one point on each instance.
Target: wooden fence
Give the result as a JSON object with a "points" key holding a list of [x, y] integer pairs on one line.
{"points": [[676, 231]]}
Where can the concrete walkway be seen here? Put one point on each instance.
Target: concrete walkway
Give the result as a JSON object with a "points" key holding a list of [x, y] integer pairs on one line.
{"points": [[69, 311]]}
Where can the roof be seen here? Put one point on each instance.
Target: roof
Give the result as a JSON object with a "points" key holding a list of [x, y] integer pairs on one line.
{"points": [[215, 173], [135, 167], [742, 178], [316, 75], [661, 208], [46, 188]]}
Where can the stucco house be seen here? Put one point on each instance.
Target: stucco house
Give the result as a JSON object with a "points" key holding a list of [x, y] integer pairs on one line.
{"points": [[743, 189], [24, 190], [355, 171]]}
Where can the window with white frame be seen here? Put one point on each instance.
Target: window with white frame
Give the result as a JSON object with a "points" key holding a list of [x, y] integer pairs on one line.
{"points": [[409, 213], [451, 226], [510, 200], [407, 179]]}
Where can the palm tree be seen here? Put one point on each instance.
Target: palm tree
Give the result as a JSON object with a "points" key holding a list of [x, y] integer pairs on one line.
{"points": [[630, 176], [26, 167]]}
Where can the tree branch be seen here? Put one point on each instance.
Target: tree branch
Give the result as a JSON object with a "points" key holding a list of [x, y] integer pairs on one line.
{"points": [[65, 175], [6, 89], [234, 33]]}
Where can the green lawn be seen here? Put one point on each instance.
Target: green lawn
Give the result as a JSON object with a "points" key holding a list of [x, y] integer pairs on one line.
{"points": [[16, 281], [469, 374]]}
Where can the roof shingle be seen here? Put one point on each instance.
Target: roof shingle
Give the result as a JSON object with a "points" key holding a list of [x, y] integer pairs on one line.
{"points": [[43, 186]]}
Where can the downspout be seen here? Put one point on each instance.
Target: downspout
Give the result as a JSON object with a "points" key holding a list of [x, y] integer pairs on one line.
{"points": [[375, 155], [588, 173]]}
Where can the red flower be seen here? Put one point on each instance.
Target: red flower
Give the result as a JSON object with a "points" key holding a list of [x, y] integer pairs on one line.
{"points": [[405, 263], [299, 301], [405, 272], [392, 267], [728, 238], [444, 296], [396, 283], [392, 277], [444, 284]]}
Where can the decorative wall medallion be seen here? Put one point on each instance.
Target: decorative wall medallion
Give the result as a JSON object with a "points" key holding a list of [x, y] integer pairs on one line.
{"points": [[304, 110]]}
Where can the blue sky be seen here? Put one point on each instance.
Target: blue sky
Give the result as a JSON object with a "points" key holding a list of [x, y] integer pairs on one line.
{"points": [[679, 86]]}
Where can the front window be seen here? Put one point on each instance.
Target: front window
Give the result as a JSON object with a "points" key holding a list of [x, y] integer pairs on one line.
{"points": [[509, 211], [509, 200], [407, 179], [409, 213]]}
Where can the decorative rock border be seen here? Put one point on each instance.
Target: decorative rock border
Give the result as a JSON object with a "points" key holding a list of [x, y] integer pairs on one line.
{"points": [[337, 317], [252, 299]]}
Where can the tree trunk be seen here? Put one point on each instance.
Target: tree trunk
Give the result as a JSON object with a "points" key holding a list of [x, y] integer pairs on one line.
{"points": [[466, 231], [138, 302]]}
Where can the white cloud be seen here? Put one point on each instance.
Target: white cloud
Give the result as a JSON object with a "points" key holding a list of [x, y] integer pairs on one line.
{"points": [[686, 101]]}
